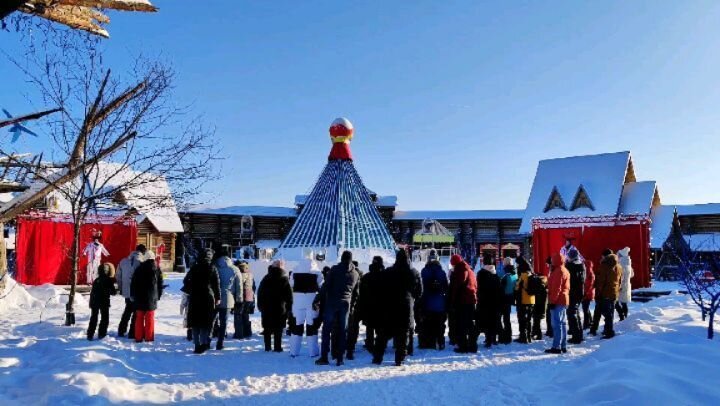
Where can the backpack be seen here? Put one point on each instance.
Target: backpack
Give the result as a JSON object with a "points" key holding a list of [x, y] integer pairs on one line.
{"points": [[535, 285], [508, 284]]}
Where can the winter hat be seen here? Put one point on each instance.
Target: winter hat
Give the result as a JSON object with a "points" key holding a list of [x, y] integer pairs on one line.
{"points": [[109, 269], [346, 257], [149, 255], [573, 254], [606, 252], [508, 262], [455, 259], [377, 260], [278, 263], [625, 252], [523, 265], [488, 259], [433, 256]]}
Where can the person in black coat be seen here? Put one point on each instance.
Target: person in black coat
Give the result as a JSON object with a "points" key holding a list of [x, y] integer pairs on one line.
{"points": [[341, 288], [146, 288], [576, 267], [102, 288], [353, 330], [202, 285], [369, 305], [274, 300], [399, 291], [489, 297]]}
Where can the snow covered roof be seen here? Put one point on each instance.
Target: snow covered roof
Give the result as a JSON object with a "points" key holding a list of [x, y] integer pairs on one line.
{"points": [[662, 217], [148, 194], [639, 197], [703, 241], [601, 177], [339, 214], [459, 215], [267, 244], [255, 211]]}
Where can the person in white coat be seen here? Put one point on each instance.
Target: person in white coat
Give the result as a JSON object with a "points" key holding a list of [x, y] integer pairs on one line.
{"points": [[305, 280], [94, 251], [625, 295]]}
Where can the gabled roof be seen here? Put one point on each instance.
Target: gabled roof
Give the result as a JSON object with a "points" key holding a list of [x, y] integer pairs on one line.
{"points": [[639, 197], [662, 219], [602, 176], [147, 194]]}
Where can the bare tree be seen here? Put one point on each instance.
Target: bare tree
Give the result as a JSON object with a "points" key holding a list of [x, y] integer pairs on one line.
{"points": [[133, 124], [699, 272]]}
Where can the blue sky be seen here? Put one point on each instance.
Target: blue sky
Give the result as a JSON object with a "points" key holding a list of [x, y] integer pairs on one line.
{"points": [[453, 102]]}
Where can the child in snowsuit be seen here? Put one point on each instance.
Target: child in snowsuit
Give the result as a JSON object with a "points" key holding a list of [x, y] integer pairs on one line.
{"points": [[102, 288]]}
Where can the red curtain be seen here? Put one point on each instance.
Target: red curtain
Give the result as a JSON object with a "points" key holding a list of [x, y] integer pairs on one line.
{"points": [[592, 240], [43, 248]]}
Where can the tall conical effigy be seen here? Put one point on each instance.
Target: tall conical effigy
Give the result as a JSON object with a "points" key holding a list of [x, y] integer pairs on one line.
{"points": [[339, 213]]}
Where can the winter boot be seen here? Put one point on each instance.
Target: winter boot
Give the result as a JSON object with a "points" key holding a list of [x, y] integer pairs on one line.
{"points": [[313, 346], [189, 335], [350, 355], [278, 343], [295, 344], [411, 346], [198, 349], [219, 346], [340, 361], [322, 361], [267, 339]]}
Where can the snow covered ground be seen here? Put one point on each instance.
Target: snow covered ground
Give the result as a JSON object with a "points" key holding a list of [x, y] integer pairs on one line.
{"points": [[660, 357]]}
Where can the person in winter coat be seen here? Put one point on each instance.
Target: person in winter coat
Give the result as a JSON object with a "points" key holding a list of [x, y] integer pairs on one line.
{"points": [[625, 295], [559, 299], [275, 301], [124, 275], [433, 303], [463, 298], [489, 296], [246, 307], [507, 300], [525, 302], [102, 288], [146, 288], [542, 309], [305, 281], [231, 292], [184, 304], [399, 291], [353, 329], [341, 287], [202, 285], [589, 294], [416, 322], [607, 289], [576, 267], [370, 301]]}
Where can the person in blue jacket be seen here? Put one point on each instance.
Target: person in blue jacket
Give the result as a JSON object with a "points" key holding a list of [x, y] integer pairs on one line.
{"points": [[433, 304]]}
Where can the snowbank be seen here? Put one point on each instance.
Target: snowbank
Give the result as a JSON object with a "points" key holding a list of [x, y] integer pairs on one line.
{"points": [[15, 297]]}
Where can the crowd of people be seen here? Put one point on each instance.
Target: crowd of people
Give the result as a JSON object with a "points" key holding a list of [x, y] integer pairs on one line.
{"points": [[394, 302]]}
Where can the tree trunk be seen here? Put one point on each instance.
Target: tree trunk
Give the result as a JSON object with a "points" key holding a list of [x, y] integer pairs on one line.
{"points": [[711, 330], [75, 256], [3, 260]]}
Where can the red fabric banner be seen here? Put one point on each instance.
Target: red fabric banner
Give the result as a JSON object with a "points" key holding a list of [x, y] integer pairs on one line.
{"points": [[592, 240], [43, 248]]}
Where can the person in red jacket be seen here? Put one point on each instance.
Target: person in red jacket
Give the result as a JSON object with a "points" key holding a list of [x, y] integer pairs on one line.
{"points": [[463, 298], [589, 294], [558, 299]]}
